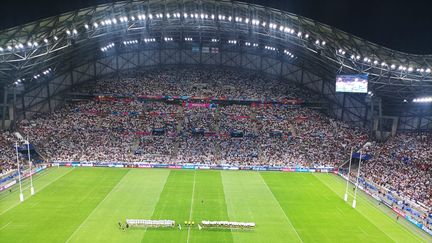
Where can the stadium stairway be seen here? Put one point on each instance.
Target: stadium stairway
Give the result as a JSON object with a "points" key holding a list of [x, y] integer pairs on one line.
{"points": [[218, 154], [181, 120]]}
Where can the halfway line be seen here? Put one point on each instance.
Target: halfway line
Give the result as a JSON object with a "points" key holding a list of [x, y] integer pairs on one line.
{"points": [[191, 209]]}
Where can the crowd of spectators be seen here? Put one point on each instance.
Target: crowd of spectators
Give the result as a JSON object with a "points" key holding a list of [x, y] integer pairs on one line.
{"points": [[7, 152], [107, 128], [403, 164]]}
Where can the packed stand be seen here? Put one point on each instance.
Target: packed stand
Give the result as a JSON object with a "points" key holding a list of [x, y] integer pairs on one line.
{"points": [[403, 164]]}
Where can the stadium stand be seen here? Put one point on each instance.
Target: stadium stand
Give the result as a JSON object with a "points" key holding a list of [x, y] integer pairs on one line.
{"points": [[125, 121]]}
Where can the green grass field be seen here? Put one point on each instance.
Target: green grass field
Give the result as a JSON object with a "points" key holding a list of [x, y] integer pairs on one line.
{"points": [[85, 204]]}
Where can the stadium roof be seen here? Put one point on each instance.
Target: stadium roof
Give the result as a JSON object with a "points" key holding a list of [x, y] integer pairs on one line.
{"points": [[34, 50]]}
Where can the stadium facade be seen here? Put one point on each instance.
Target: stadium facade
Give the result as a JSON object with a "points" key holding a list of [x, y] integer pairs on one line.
{"points": [[42, 60]]}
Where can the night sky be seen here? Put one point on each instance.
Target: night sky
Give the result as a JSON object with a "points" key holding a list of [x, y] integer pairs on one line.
{"points": [[400, 25]]}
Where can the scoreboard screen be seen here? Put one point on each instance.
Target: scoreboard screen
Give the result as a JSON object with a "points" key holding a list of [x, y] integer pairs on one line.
{"points": [[352, 83]]}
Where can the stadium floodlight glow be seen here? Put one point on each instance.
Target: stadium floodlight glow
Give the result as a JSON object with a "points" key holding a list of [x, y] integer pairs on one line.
{"points": [[255, 45], [95, 25], [147, 40], [307, 36], [29, 44], [46, 41], [168, 39], [410, 69], [35, 44], [247, 43], [232, 42], [214, 40], [423, 100], [202, 16], [352, 57], [270, 48], [323, 43], [1, 49], [188, 39], [299, 34], [114, 20], [107, 47], [20, 45], [375, 62], [383, 64], [229, 18], [393, 66], [68, 32], [317, 42], [289, 53], [358, 57], [264, 24], [247, 21], [9, 48], [130, 42], [86, 26], [168, 15], [55, 37], [428, 70]]}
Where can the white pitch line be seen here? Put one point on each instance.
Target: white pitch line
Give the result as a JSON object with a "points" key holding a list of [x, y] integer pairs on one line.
{"points": [[277, 202], [41, 175], [40, 189], [374, 206], [191, 209], [4, 226], [100, 203]]}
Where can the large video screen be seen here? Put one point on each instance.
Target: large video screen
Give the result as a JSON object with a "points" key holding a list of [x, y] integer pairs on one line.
{"points": [[352, 83]]}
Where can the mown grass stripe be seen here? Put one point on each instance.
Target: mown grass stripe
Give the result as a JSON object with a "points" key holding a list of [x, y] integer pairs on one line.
{"points": [[11, 200], [58, 211], [135, 196], [249, 200]]}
